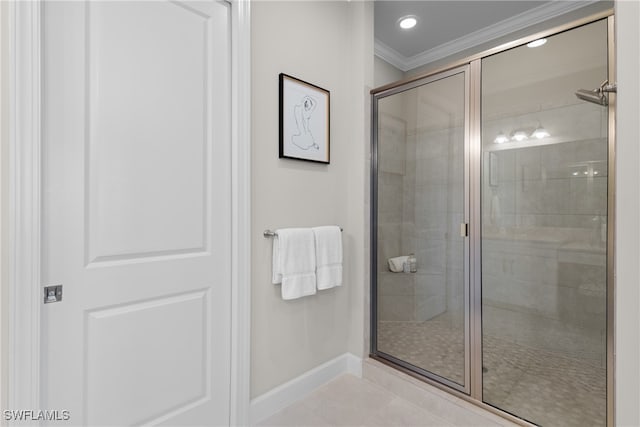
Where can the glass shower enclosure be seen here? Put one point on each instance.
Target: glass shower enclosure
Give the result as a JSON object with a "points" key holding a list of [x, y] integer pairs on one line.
{"points": [[422, 199], [496, 177]]}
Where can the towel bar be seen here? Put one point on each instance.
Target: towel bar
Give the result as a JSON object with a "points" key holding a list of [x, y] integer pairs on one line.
{"points": [[270, 233]]}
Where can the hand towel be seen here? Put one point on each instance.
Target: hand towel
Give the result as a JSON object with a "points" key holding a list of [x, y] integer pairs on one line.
{"points": [[328, 256], [294, 262], [396, 264]]}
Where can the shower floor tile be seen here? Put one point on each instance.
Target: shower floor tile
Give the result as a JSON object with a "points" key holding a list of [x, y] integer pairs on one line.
{"points": [[436, 345], [544, 387]]}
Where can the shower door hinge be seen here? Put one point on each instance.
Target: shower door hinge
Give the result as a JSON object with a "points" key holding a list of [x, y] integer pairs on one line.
{"points": [[464, 229]]}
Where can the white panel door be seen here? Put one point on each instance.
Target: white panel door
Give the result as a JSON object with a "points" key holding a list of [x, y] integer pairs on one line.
{"points": [[136, 211]]}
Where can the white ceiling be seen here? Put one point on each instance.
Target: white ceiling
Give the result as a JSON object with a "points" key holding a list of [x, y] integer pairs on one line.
{"points": [[448, 27]]}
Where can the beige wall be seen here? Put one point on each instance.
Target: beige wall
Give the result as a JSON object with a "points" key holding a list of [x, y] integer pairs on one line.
{"points": [[327, 44], [385, 73], [362, 81], [627, 213]]}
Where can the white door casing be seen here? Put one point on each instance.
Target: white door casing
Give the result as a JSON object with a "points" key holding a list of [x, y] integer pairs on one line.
{"points": [[148, 301]]}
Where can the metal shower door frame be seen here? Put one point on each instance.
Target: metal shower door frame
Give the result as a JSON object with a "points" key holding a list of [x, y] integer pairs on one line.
{"points": [[472, 67], [384, 357]]}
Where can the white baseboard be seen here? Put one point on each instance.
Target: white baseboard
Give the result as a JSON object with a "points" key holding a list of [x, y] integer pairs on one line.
{"points": [[354, 365], [275, 400]]}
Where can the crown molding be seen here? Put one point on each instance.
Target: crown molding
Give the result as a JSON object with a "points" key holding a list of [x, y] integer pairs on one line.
{"points": [[390, 55], [533, 16]]}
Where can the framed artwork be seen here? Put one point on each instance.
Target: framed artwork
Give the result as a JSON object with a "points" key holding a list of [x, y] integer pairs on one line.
{"points": [[304, 121]]}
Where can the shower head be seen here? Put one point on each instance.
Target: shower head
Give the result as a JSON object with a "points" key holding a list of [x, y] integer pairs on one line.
{"points": [[595, 96]]}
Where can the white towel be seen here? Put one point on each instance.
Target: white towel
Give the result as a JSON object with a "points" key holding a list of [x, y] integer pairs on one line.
{"points": [[328, 256], [294, 262], [396, 264]]}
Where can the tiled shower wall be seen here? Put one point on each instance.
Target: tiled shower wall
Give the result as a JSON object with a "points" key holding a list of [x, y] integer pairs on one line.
{"points": [[439, 211], [544, 234], [544, 222], [396, 293], [420, 208]]}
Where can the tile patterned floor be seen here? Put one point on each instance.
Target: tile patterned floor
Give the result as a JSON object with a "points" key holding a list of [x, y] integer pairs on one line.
{"points": [[541, 386], [436, 345], [351, 401]]}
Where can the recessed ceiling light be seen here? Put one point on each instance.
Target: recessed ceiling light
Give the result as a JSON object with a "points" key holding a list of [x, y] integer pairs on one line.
{"points": [[537, 43], [407, 22]]}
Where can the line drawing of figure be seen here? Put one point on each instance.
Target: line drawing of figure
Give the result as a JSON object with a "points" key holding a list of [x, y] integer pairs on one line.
{"points": [[304, 139]]}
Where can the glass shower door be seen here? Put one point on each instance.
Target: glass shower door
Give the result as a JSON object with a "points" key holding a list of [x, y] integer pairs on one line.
{"points": [[544, 230], [422, 306]]}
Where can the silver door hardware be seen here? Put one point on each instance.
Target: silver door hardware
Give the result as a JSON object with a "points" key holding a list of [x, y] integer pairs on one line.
{"points": [[52, 293], [464, 229]]}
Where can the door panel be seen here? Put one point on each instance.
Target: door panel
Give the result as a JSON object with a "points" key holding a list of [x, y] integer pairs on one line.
{"points": [[147, 130], [136, 154], [544, 230], [422, 316], [160, 333]]}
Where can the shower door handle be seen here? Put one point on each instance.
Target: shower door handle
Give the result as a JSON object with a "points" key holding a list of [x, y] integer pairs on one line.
{"points": [[464, 229]]}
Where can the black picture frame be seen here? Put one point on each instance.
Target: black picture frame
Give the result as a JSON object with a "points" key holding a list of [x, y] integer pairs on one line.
{"points": [[304, 121]]}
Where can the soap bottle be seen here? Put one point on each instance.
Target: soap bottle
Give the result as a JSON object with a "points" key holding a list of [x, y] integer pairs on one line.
{"points": [[413, 263]]}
